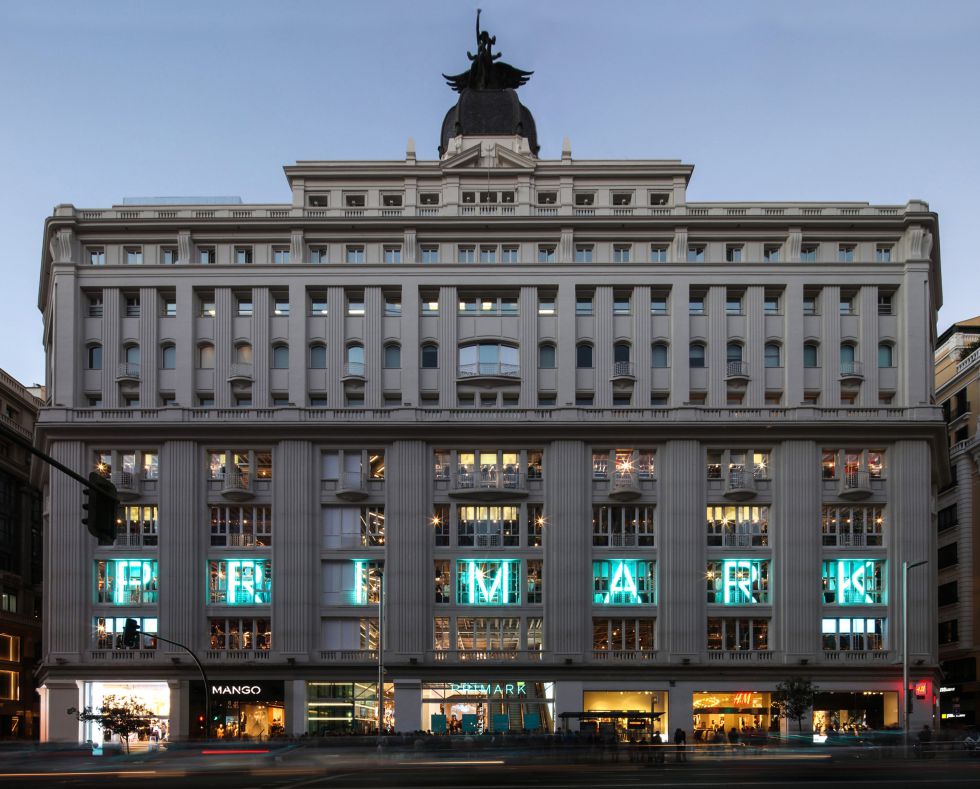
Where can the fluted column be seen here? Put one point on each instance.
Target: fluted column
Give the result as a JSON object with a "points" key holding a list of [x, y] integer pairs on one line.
{"points": [[528, 336], [755, 341], [567, 549], [149, 347], [411, 315], [717, 354], [966, 568], [793, 344], [681, 550], [374, 309], [680, 340], [184, 340], [915, 321], [295, 513], [336, 340], [602, 356], [448, 352], [261, 350], [224, 308], [298, 342], [830, 346], [111, 328], [868, 334], [912, 538], [642, 342], [566, 337], [794, 535], [67, 559], [408, 549], [183, 519]]}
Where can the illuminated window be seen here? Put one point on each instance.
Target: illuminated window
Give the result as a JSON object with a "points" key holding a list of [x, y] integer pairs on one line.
{"points": [[367, 581], [854, 581], [738, 581], [732, 635], [241, 527], [731, 526], [623, 635], [137, 525], [852, 527], [443, 585], [535, 581], [10, 685], [240, 582], [240, 634], [488, 527], [108, 632], [856, 635], [488, 582], [479, 634], [9, 648], [126, 581], [622, 526], [623, 582], [535, 525]]}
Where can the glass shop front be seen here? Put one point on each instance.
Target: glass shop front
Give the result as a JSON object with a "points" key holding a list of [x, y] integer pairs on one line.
{"points": [[629, 714], [241, 709], [334, 708], [844, 714], [490, 706], [749, 712], [154, 696]]}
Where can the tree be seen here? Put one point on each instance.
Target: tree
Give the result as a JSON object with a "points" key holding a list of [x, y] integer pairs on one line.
{"points": [[122, 715], [794, 697]]}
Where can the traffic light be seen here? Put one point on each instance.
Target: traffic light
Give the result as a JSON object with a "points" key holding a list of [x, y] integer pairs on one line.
{"points": [[131, 634], [100, 508]]}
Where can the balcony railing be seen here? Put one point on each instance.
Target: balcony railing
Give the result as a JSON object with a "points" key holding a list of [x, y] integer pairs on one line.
{"points": [[624, 655], [353, 369], [489, 478], [349, 655], [623, 370], [855, 484], [485, 655], [857, 656], [740, 484], [489, 370], [739, 656], [240, 371], [750, 536], [236, 484], [851, 370], [853, 540], [236, 655], [128, 371], [123, 654], [135, 539], [241, 541], [127, 484], [736, 371]]}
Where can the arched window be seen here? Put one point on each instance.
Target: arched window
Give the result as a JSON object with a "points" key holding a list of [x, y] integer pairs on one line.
{"points": [[621, 352], [846, 357], [772, 355], [734, 352], [133, 355], [885, 355], [318, 357], [168, 357], [393, 356], [546, 356], [659, 356], [430, 356], [810, 357], [280, 357], [583, 355], [205, 356], [696, 359], [95, 357], [243, 353]]}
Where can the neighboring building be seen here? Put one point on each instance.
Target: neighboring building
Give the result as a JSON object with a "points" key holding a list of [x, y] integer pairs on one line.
{"points": [[616, 451], [958, 552], [20, 563]]}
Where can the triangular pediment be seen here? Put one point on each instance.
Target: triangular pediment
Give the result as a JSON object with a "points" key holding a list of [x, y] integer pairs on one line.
{"points": [[500, 156]]}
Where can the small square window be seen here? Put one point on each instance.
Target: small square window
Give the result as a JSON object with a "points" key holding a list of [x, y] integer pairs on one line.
{"points": [[430, 254], [846, 305], [695, 305], [659, 198], [465, 254], [207, 306], [280, 305], [658, 305], [622, 198], [658, 253], [733, 305], [509, 254], [206, 256], [810, 305], [488, 254], [885, 306], [429, 198], [770, 253], [584, 400], [245, 307], [845, 253], [583, 253], [168, 256], [547, 198], [583, 305], [808, 253], [733, 253], [392, 254], [95, 401], [393, 305], [430, 305], [319, 255], [280, 255], [133, 256], [622, 253], [883, 254], [469, 197], [318, 304], [319, 201], [132, 309], [95, 305], [355, 304], [354, 255], [354, 201], [169, 307], [546, 254], [621, 305], [96, 256], [770, 305], [547, 307], [695, 253], [391, 201], [243, 255], [585, 198]]}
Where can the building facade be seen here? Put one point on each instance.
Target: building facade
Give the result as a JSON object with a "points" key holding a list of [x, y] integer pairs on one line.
{"points": [[611, 451], [20, 563], [958, 554]]}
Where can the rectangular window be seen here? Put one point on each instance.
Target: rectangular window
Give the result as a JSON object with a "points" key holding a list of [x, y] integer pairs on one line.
{"points": [[318, 304], [488, 582], [137, 525], [245, 307], [808, 253], [393, 305], [355, 304], [241, 527], [883, 254], [612, 636], [621, 304], [947, 556], [546, 254], [133, 256], [546, 306], [488, 254], [206, 256], [615, 526], [240, 634], [658, 253], [810, 305], [319, 255], [658, 305], [486, 527], [733, 253], [466, 254], [392, 254], [168, 256], [733, 305], [948, 594], [132, 307], [108, 632], [583, 253], [695, 253], [126, 581], [949, 631], [509, 254], [430, 304], [280, 305], [95, 305], [695, 305], [354, 254], [622, 253], [9, 648], [770, 253], [280, 255], [732, 526], [853, 635], [243, 255], [239, 582], [852, 527], [583, 306], [770, 305], [853, 582], [948, 517], [96, 256], [738, 581], [623, 582], [845, 253], [430, 254], [367, 581], [738, 635]]}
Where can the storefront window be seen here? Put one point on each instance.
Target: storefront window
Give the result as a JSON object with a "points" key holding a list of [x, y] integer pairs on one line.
{"points": [[346, 708], [126, 581], [854, 582], [488, 582], [738, 581], [716, 714], [853, 713], [623, 582], [155, 696], [244, 709], [474, 707], [240, 582], [628, 714], [856, 634]]}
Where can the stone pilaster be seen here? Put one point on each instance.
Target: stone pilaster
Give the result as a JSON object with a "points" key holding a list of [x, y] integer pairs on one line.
{"points": [[111, 345], [149, 347], [528, 336], [374, 309], [448, 352], [68, 566], [602, 354], [261, 347]]}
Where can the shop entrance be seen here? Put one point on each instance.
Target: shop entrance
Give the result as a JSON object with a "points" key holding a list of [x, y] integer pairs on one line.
{"points": [[478, 707], [629, 714], [749, 713], [241, 709], [154, 696], [853, 713]]}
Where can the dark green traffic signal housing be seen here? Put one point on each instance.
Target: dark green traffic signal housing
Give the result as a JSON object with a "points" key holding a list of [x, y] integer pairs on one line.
{"points": [[131, 634], [100, 508]]}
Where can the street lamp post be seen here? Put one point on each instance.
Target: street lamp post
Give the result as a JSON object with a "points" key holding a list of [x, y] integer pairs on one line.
{"points": [[906, 699]]}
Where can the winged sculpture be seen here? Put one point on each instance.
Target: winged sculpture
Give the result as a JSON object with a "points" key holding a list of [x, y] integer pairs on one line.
{"points": [[485, 72]]}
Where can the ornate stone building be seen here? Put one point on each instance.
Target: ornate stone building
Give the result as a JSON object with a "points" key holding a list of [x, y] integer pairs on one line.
{"points": [[618, 454]]}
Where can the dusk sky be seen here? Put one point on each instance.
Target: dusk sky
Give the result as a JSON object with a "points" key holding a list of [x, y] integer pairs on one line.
{"points": [[828, 100]]}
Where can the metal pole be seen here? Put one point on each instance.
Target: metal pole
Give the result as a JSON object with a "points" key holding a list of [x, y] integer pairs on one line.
{"points": [[905, 649], [381, 665], [204, 678]]}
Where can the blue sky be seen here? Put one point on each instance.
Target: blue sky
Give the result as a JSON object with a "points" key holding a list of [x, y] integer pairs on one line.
{"points": [[828, 100]]}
